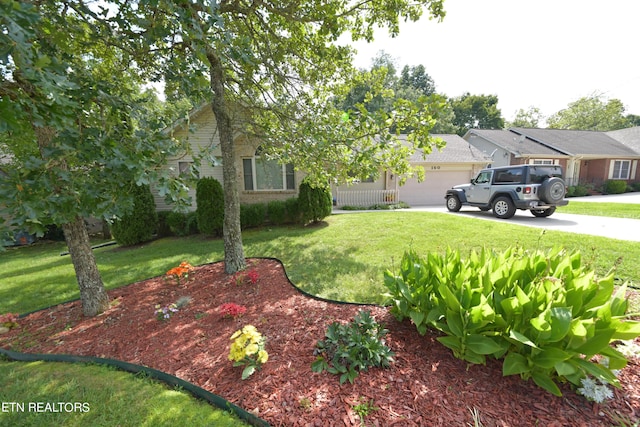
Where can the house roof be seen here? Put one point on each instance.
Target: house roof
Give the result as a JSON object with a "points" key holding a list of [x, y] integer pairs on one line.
{"points": [[629, 137], [582, 143], [456, 150], [513, 143]]}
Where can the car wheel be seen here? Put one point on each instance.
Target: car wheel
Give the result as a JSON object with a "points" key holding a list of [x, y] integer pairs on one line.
{"points": [[453, 203], [552, 190], [503, 208], [541, 213]]}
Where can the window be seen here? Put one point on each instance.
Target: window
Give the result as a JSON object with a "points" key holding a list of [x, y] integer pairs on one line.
{"points": [[261, 173], [508, 176], [620, 169], [543, 162]]}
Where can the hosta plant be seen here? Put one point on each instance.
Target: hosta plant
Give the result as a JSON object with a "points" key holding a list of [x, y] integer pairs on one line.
{"points": [[545, 313], [352, 348]]}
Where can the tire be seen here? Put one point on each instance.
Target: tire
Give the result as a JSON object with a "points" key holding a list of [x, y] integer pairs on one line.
{"points": [[453, 203], [552, 190], [542, 213], [503, 207]]}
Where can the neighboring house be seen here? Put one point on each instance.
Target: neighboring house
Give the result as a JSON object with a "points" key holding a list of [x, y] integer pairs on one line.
{"points": [[588, 157], [455, 164], [260, 179]]}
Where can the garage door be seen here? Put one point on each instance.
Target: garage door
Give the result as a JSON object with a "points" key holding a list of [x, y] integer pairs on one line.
{"points": [[431, 191]]}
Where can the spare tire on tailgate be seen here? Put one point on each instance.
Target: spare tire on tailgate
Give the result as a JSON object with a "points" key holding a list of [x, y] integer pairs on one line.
{"points": [[552, 190]]}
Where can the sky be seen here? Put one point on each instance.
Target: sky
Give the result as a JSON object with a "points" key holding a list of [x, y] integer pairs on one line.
{"points": [[530, 53]]}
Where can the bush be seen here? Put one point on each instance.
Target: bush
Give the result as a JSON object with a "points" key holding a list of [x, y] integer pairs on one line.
{"points": [[545, 313], [139, 225], [349, 349], [314, 202], [210, 210], [277, 212], [577, 191], [253, 215], [182, 224], [293, 210], [636, 186], [613, 186], [163, 227]]}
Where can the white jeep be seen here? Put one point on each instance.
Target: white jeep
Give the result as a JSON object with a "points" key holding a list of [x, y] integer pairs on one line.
{"points": [[538, 188]]}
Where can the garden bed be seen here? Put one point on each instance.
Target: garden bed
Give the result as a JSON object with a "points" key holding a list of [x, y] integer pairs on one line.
{"points": [[425, 385]]}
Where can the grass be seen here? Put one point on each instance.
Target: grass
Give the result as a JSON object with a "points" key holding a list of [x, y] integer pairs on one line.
{"points": [[127, 400], [618, 210], [343, 258]]}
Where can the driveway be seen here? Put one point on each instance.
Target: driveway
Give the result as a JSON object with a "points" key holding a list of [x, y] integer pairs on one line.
{"points": [[614, 228]]}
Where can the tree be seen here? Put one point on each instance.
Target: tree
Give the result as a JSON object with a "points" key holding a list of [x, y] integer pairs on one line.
{"points": [[141, 223], [476, 111], [75, 127], [273, 68], [593, 112], [529, 118]]}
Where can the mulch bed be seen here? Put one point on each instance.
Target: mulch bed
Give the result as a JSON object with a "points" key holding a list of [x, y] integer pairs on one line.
{"points": [[425, 385]]}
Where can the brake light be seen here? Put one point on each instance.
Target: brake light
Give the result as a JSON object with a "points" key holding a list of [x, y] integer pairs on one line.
{"points": [[527, 190]]}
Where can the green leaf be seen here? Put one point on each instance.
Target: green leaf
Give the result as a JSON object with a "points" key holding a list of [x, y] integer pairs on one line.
{"points": [[565, 369], [550, 356], [627, 330], [521, 338], [514, 364], [543, 380], [453, 343], [560, 323], [417, 317], [482, 345], [595, 344], [248, 371]]}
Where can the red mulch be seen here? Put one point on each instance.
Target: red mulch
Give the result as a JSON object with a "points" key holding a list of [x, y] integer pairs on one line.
{"points": [[425, 386]]}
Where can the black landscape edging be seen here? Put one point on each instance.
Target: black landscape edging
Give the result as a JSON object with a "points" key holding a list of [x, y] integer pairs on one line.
{"points": [[168, 379]]}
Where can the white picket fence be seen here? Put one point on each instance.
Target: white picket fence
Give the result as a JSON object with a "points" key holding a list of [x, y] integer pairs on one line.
{"points": [[366, 198]]}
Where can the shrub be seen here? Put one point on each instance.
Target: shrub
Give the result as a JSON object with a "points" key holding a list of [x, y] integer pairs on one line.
{"points": [[182, 224], [292, 208], [314, 202], [613, 186], [545, 313], [210, 210], [277, 212], [139, 225], [163, 227], [253, 215], [577, 191], [636, 186], [352, 348]]}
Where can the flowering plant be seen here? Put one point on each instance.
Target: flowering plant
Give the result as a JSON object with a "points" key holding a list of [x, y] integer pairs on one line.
{"points": [[180, 271], [248, 349], [9, 320], [241, 276], [230, 309], [165, 313]]}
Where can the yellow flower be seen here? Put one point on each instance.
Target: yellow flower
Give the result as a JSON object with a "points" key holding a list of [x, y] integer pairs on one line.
{"points": [[263, 356], [252, 349]]}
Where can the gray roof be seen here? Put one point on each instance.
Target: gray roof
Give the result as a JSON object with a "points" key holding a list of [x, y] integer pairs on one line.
{"points": [[513, 143], [457, 150], [629, 137], [583, 143]]}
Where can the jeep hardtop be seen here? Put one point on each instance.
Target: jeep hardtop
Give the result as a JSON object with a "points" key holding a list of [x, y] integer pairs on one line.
{"points": [[538, 188]]}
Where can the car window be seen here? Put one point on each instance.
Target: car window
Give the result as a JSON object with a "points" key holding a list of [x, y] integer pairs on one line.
{"points": [[483, 177], [537, 174], [509, 176]]}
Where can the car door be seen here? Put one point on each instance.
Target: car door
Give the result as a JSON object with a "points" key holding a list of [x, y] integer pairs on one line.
{"points": [[480, 190]]}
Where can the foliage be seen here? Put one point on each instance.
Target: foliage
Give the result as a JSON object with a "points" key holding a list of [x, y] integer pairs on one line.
{"points": [[593, 112], [314, 202], [182, 224], [231, 310], [277, 212], [180, 272], [9, 320], [352, 348], [543, 311], [242, 277], [613, 186], [210, 206], [529, 118], [577, 190], [165, 313], [476, 112], [364, 408], [163, 227], [248, 350], [139, 225], [253, 215], [636, 185]]}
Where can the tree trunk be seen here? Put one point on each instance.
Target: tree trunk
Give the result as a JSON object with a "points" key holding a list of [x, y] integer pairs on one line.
{"points": [[92, 293], [233, 251]]}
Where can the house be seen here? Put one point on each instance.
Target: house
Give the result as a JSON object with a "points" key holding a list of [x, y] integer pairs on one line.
{"points": [[588, 157], [455, 164], [261, 179]]}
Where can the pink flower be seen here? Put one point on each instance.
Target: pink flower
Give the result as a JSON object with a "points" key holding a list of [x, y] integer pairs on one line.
{"points": [[230, 309]]}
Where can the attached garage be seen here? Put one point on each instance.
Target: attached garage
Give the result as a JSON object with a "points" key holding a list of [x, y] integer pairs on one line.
{"points": [[431, 191]]}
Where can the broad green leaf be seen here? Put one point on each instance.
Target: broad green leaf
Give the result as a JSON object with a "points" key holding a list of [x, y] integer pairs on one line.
{"points": [[543, 380], [521, 338], [453, 343], [560, 323], [626, 330], [417, 317], [550, 356], [514, 364], [454, 323], [595, 344], [565, 369], [482, 345]]}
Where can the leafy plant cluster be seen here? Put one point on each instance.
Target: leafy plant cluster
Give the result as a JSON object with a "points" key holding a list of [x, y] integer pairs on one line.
{"points": [[247, 349], [544, 313], [614, 186], [140, 225], [577, 190], [352, 348]]}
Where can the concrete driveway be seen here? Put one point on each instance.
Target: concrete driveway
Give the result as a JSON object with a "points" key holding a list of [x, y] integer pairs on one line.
{"points": [[614, 228]]}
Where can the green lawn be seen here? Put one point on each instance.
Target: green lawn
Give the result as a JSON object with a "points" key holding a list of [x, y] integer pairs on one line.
{"points": [[343, 258], [618, 210], [107, 398]]}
